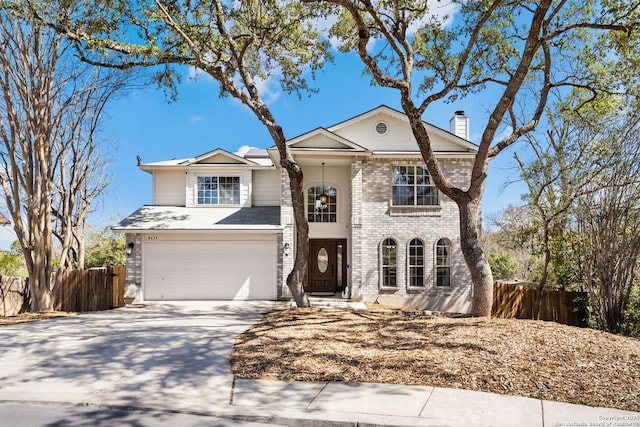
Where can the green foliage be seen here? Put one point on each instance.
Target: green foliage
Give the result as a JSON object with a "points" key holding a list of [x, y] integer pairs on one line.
{"points": [[582, 304], [240, 44], [502, 266], [12, 262], [477, 43], [631, 325], [105, 249]]}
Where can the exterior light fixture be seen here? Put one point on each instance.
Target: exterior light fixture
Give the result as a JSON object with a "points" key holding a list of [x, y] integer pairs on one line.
{"points": [[129, 250], [323, 198], [286, 248]]}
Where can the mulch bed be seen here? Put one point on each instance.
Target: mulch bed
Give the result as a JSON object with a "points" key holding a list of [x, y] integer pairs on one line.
{"points": [[526, 358]]}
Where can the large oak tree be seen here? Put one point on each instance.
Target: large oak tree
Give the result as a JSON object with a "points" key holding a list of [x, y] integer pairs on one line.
{"points": [[240, 44], [514, 51]]}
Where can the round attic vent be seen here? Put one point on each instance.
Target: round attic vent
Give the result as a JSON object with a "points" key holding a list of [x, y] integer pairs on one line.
{"points": [[382, 128]]}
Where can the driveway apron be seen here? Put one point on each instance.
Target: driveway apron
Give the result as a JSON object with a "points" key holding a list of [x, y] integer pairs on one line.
{"points": [[172, 356]]}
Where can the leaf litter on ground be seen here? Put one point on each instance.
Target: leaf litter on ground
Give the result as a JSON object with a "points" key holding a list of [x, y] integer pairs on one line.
{"points": [[537, 359]]}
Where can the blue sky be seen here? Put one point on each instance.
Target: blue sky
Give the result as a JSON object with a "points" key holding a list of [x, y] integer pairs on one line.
{"points": [[144, 123]]}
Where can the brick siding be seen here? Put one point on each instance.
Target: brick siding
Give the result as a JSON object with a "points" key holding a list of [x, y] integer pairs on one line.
{"points": [[380, 220]]}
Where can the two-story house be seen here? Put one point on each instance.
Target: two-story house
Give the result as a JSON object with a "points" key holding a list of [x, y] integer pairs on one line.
{"points": [[221, 224]]}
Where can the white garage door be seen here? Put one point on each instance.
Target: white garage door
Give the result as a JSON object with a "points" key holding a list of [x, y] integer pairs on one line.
{"points": [[220, 270]]}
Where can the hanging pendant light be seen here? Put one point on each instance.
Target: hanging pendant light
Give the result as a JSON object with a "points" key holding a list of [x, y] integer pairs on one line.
{"points": [[323, 198]]}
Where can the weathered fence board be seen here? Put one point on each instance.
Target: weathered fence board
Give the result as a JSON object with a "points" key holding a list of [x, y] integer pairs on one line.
{"points": [[13, 295], [79, 290], [516, 301]]}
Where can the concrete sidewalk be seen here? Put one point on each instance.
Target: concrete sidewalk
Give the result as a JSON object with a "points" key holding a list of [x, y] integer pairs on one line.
{"points": [[361, 404], [173, 358]]}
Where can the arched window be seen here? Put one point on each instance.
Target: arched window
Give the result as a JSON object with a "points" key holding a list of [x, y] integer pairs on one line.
{"points": [[318, 211], [443, 263], [416, 263], [388, 262]]}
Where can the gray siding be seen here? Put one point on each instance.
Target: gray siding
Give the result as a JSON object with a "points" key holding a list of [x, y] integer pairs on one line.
{"points": [[266, 188], [169, 188]]}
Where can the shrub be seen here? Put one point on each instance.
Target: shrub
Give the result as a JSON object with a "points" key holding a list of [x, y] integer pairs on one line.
{"points": [[631, 325], [502, 266]]}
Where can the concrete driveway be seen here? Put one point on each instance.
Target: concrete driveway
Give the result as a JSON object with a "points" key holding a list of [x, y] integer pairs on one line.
{"points": [[169, 356]]}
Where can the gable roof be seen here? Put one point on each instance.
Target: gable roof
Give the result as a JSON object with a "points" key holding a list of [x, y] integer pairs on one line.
{"points": [[221, 157], [345, 138], [383, 109], [322, 138], [4, 220], [217, 157]]}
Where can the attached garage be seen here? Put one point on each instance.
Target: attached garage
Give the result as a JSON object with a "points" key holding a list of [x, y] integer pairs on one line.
{"points": [[178, 253], [210, 270]]}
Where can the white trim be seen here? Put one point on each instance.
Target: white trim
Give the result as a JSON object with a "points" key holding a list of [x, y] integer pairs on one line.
{"points": [[435, 264], [386, 127], [381, 266], [414, 186], [424, 265], [219, 151], [417, 155], [383, 109], [338, 202], [218, 229], [350, 146], [196, 190]]}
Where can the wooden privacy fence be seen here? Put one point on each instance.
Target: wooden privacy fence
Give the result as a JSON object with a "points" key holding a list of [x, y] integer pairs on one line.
{"points": [[90, 290], [512, 301], [13, 295], [79, 290]]}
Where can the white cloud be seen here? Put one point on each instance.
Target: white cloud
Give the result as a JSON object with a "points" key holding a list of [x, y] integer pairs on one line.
{"points": [[268, 89], [503, 133], [244, 150], [439, 11], [196, 73], [196, 119]]}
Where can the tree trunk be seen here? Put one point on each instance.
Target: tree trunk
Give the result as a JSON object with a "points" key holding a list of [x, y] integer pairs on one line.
{"points": [[39, 279], [297, 276], [545, 271], [481, 276], [81, 251]]}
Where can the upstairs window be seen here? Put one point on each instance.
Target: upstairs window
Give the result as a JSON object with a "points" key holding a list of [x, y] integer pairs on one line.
{"points": [[218, 190], [412, 186], [316, 210], [443, 263]]}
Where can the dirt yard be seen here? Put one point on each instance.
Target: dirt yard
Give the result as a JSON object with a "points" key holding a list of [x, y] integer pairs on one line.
{"points": [[517, 357], [33, 317]]}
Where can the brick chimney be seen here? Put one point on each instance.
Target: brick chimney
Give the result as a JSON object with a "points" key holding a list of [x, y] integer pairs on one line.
{"points": [[459, 125]]}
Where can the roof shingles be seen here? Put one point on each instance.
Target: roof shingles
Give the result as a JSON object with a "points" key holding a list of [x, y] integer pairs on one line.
{"points": [[152, 218]]}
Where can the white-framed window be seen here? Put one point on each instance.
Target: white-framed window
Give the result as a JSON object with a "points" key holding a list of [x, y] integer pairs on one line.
{"points": [[415, 263], [218, 190], [389, 263], [443, 263], [412, 186], [316, 210]]}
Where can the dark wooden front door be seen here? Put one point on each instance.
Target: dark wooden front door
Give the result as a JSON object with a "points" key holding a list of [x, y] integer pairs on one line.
{"points": [[327, 265]]}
